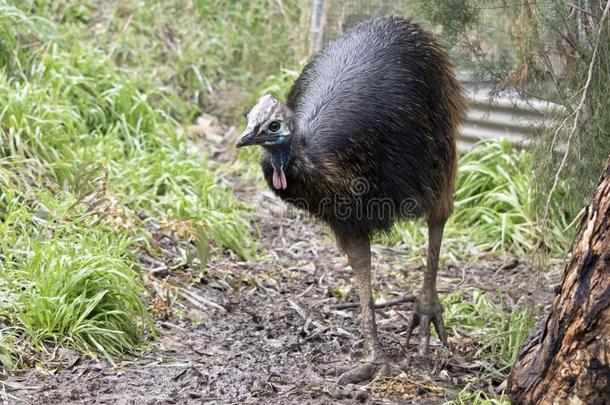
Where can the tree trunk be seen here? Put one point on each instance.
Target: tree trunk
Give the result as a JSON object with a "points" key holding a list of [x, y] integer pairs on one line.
{"points": [[567, 359]]}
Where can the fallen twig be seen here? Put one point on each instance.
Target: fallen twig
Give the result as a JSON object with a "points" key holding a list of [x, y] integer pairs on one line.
{"points": [[403, 300], [303, 314], [509, 265], [197, 299]]}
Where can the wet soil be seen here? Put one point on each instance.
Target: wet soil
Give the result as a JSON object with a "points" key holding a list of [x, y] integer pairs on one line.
{"points": [[278, 329]]}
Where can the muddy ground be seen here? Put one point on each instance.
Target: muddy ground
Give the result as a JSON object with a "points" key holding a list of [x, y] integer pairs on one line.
{"points": [[275, 330]]}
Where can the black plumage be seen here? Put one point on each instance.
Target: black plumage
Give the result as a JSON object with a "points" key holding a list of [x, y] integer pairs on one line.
{"points": [[376, 109], [367, 136]]}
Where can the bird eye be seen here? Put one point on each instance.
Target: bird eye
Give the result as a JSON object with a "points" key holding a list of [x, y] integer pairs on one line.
{"points": [[274, 126]]}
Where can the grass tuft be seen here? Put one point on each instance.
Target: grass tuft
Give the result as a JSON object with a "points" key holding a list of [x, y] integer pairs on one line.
{"points": [[68, 276], [497, 332], [494, 209], [500, 330], [470, 396]]}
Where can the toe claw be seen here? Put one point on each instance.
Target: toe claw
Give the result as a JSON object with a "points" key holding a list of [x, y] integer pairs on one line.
{"points": [[440, 329], [423, 315], [413, 323], [363, 372], [366, 371]]}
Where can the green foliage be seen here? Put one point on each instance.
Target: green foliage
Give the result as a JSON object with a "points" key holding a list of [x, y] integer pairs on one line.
{"points": [[88, 137], [453, 16], [493, 208], [67, 276], [469, 396], [500, 330], [78, 281], [8, 353], [252, 38], [189, 53], [541, 50], [85, 122], [590, 145], [16, 28]]}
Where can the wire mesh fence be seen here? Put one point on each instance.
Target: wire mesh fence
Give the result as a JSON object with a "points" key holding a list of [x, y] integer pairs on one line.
{"points": [[332, 18]]}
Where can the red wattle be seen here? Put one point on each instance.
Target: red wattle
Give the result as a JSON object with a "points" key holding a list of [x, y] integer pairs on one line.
{"points": [[279, 180]]}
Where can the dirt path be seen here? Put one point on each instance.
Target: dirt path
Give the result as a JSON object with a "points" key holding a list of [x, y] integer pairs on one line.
{"points": [[269, 331]]}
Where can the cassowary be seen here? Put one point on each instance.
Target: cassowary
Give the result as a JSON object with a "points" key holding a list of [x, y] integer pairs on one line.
{"points": [[367, 137]]}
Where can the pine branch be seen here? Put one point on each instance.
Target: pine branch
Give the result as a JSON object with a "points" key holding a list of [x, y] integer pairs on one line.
{"points": [[577, 114]]}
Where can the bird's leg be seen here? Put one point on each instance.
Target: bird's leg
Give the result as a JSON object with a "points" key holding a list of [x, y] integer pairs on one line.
{"points": [[359, 257], [428, 308]]}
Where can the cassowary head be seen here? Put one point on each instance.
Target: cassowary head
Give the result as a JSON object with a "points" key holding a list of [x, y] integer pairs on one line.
{"points": [[269, 124]]}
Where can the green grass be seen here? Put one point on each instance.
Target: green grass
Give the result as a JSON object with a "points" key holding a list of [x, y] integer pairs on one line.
{"points": [[86, 124], [68, 273], [470, 396], [8, 350], [192, 52], [497, 331], [494, 209], [93, 102], [74, 275], [501, 330]]}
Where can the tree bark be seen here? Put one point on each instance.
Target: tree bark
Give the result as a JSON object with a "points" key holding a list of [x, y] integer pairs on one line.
{"points": [[567, 358]]}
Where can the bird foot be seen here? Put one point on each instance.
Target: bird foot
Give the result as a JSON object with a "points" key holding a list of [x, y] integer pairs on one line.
{"points": [[427, 310], [366, 371]]}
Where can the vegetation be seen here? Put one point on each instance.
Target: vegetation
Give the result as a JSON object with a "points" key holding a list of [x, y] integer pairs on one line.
{"points": [[66, 278], [93, 101], [499, 329], [188, 54], [478, 397], [552, 50], [497, 332], [91, 143], [494, 209]]}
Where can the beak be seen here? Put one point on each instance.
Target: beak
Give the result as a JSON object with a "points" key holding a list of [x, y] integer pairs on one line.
{"points": [[247, 138]]}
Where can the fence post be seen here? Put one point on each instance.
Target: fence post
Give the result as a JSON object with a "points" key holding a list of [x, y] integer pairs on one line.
{"points": [[316, 31]]}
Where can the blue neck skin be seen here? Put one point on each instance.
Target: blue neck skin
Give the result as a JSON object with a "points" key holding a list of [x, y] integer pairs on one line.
{"points": [[280, 154]]}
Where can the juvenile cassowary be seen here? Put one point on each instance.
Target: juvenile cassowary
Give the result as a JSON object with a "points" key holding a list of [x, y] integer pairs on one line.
{"points": [[367, 137]]}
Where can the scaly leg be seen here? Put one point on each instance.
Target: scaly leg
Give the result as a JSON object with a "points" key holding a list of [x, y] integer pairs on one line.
{"points": [[428, 307], [359, 257]]}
